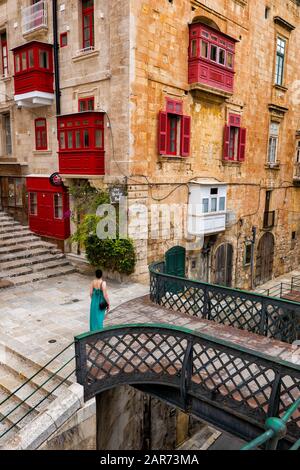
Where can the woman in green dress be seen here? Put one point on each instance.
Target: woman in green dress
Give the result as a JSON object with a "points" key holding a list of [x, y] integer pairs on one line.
{"points": [[98, 293]]}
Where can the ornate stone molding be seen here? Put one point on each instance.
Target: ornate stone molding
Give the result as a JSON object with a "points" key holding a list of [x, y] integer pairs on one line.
{"points": [[283, 23]]}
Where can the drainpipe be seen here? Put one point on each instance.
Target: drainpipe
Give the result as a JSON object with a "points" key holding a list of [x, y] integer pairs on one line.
{"points": [[252, 256], [56, 57]]}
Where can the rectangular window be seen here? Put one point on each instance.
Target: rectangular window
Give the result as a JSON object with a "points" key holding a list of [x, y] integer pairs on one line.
{"points": [[222, 56], [248, 253], [233, 143], [41, 134], [234, 139], [194, 48], [229, 60], [77, 140], [280, 59], [172, 134], [62, 140], [86, 104], [70, 139], [4, 51], [205, 202], [33, 203], [58, 206], [87, 24], [18, 63], [24, 61], [98, 138], [222, 203], [213, 53], [7, 134], [44, 59], [204, 49], [63, 39], [213, 204], [273, 142], [298, 152], [30, 59]]}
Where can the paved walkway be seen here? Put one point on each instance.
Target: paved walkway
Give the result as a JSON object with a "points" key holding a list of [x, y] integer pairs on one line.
{"points": [[285, 279], [38, 320]]}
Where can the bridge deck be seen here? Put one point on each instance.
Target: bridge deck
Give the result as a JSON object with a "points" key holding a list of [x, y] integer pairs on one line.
{"points": [[142, 310]]}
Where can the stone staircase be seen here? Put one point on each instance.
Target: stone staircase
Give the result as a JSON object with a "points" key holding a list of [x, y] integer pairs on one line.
{"points": [[28, 399], [25, 258]]}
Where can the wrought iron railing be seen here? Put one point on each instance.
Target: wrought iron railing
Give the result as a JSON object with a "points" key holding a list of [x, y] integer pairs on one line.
{"points": [[230, 386], [276, 430], [34, 17], [284, 290], [256, 313], [269, 219], [10, 407]]}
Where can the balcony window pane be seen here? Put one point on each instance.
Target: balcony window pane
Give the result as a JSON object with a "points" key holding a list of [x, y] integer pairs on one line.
{"points": [[298, 152], [222, 204], [44, 59], [77, 140], [24, 62], [30, 59], [62, 140], [70, 139], [205, 205], [229, 60], [194, 48], [18, 63], [98, 138], [58, 206], [213, 53], [214, 201], [86, 139], [33, 203], [222, 57], [204, 49]]}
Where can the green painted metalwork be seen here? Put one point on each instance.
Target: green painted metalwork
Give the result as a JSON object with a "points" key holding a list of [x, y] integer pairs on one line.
{"points": [[259, 314], [276, 430], [237, 388]]}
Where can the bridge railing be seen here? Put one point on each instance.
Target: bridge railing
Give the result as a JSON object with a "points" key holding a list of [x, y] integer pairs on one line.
{"points": [[256, 313], [276, 430], [236, 388]]}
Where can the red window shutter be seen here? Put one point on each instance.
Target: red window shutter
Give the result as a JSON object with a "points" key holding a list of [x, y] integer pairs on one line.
{"points": [[242, 144], [235, 120], [162, 133], [226, 143], [185, 136]]}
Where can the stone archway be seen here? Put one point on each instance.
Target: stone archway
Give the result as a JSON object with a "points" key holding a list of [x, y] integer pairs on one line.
{"points": [[265, 259], [223, 265]]}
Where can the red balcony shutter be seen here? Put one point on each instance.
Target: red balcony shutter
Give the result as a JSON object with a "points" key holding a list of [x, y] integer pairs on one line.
{"points": [[162, 133], [185, 136], [242, 144], [226, 142]]}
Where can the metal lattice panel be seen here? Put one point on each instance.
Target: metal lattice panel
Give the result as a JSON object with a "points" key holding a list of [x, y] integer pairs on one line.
{"points": [[275, 318], [238, 381]]}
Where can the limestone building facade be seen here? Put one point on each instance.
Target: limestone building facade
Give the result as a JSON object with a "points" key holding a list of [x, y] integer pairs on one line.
{"points": [[181, 101]]}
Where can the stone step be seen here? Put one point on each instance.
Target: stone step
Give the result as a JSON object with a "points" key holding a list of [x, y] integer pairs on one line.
{"points": [[19, 263], [15, 272], [12, 235], [26, 254], [15, 411], [5, 218], [8, 224], [43, 275], [15, 228], [15, 241], [36, 243], [32, 397], [33, 268]]}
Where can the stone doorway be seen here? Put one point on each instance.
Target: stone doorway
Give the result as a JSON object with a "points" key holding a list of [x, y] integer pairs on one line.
{"points": [[265, 259], [223, 265]]}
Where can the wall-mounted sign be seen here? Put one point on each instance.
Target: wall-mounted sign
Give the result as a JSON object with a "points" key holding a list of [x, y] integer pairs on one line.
{"points": [[115, 193], [56, 180]]}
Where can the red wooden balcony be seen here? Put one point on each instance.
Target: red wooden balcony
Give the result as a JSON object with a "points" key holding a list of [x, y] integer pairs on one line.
{"points": [[81, 143], [211, 59], [33, 74]]}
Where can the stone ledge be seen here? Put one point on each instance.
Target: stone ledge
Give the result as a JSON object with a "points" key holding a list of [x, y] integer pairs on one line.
{"points": [[34, 434]]}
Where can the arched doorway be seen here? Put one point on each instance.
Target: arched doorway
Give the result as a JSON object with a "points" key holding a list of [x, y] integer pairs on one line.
{"points": [[223, 265], [175, 261], [264, 259]]}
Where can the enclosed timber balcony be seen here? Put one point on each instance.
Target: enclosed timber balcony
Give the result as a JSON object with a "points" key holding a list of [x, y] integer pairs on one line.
{"points": [[35, 18], [211, 60], [81, 143], [34, 75]]}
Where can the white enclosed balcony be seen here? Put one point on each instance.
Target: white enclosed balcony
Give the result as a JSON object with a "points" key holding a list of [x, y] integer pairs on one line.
{"points": [[35, 17], [207, 207]]}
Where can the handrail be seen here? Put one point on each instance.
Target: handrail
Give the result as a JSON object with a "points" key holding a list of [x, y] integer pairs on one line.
{"points": [[277, 318], [52, 375], [276, 430]]}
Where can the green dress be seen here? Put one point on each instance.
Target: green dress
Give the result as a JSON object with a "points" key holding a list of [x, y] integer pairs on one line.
{"points": [[96, 315]]}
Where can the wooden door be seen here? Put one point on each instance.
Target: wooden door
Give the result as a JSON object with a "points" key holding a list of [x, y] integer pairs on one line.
{"points": [[264, 259], [175, 261], [223, 265]]}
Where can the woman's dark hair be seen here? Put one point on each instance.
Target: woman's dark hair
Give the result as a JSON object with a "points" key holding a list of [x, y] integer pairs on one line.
{"points": [[98, 274]]}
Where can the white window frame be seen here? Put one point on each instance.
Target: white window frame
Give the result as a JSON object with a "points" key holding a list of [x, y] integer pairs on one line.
{"points": [[281, 46], [273, 138]]}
